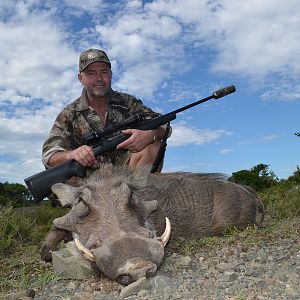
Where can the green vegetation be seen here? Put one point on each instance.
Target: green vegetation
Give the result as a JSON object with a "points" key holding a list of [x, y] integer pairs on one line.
{"points": [[259, 177], [25, 225], [21, 233], [282, 201], [15, 194], [24, 272], [281, 197]]}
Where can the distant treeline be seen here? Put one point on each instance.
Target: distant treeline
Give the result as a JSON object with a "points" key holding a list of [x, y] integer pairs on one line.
{"points": [[260, 177], [15, 194]]}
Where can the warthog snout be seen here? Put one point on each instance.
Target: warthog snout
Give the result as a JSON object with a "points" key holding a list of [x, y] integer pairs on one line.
{"points": [[134, 269], [130, 257]]}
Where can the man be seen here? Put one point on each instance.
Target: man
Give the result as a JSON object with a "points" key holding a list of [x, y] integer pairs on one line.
{"points": [[97, 107]]}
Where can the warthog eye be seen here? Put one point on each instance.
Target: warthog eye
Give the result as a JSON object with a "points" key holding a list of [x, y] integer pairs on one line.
{"points": [[124, 279], [81, 199], [131, 202]]}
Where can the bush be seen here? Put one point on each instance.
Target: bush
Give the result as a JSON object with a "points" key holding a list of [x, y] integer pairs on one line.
{"points": [[258, 177], [15, 194], [282, 201], [295, 178]]}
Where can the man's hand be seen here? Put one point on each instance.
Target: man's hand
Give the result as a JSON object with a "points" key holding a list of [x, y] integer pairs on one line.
{"points": [[138, 140], [84, 155]]}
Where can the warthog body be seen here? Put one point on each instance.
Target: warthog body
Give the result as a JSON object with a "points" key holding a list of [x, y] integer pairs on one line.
{"points": [[118, 215]]}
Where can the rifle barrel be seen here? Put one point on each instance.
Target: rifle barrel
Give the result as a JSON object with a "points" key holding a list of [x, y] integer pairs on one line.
{"points": [[215, 95]]}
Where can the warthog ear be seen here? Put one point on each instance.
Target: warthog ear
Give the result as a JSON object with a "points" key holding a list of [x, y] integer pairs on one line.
{"points": [[65, 193], [70, 220], [139, 178], [150, 206], [143, 208]]}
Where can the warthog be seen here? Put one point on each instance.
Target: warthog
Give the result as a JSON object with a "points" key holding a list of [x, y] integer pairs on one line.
{"points": [[119, 217]]}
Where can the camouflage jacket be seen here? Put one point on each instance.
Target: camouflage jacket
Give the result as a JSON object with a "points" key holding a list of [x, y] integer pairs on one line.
{"points": [[77, 118]]}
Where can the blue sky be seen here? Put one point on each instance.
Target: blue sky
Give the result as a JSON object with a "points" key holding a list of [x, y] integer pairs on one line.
{"points": [[168, 53]]}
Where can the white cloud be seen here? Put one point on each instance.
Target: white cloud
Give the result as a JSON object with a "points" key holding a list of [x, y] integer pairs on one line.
{"points": [[225, 151], [287, 89], [86, 6], [35, 58], [17, 171], [267, 138], [143, 48], [270, 137], [188, 12], [264, 45], [161, 31], [144, 85], [185, 135], [38, 76], [255, 38]]}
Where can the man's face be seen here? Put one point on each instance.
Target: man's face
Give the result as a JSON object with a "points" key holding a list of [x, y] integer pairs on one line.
{"points": [[96, 79]]}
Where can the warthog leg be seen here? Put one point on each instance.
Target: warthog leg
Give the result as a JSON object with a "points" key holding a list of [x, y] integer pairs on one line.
{"points": [[52, 240]]}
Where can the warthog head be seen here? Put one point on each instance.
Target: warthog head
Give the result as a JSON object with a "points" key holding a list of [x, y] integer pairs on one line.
{"points": [[111, 226]]}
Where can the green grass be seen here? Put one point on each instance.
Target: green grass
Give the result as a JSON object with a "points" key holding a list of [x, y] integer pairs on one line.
{"points": [[25, 226], [23, 269], [239, 296], [21, 234], [282, 201]]}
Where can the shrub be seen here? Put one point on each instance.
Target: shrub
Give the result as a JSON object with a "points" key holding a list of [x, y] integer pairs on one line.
{"points": [[16, 194], [282, 201], [295, 178], [259, 177]]}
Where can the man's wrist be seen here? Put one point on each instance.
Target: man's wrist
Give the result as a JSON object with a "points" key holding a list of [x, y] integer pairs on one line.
{"points": [[155, 137]]}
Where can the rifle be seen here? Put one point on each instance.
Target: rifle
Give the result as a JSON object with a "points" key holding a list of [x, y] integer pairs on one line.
{"points": [[102, 142]]}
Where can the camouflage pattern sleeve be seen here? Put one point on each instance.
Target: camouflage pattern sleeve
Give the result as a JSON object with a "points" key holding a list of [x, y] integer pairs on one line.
{"points": [[129, 104], [137, 105], [60, 137]]}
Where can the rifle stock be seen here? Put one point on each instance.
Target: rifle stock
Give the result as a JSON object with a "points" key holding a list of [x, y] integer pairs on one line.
{"points": [[40, 183]]}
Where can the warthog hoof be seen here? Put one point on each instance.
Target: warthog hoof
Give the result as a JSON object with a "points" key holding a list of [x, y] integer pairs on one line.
{"points": [[46, 254]]}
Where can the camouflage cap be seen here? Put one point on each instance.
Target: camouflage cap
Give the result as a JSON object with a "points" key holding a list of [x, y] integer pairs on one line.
{"points": [[90, 56]]}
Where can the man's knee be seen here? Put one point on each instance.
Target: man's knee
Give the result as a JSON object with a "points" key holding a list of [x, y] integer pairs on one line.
{"points": [[153, 149], [145, 157], [150, 152]]}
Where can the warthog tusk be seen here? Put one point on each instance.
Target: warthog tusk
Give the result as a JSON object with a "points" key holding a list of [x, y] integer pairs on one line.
{"points": [[167, 233], [83, 250]]}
